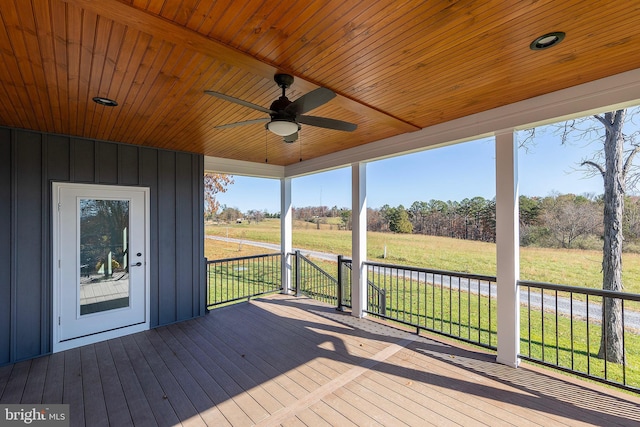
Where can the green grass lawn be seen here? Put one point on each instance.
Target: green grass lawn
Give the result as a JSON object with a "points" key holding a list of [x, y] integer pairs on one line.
{"points": [[562, 266]]}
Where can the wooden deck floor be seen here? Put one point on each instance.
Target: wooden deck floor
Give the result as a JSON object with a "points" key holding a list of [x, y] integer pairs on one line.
{"points": [[291, 361]]}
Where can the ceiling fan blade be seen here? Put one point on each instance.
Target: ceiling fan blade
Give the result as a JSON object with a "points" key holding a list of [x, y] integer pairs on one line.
{"points": [[327, 123], [291, 138], [238, 101], [311, 100], [246, 122]]}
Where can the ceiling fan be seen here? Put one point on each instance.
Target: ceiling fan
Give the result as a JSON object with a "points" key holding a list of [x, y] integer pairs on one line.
{"points": [[285, 116]]}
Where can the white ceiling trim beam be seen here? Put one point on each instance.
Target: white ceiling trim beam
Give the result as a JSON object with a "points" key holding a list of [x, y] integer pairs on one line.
{"points": [[618, 91], [241, 167]]}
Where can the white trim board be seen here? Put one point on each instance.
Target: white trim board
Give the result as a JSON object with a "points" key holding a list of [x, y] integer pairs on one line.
{"points": [[241, 167]]}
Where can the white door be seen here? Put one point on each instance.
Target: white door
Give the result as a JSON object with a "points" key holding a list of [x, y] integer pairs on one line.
{"points": [[100, 239]]}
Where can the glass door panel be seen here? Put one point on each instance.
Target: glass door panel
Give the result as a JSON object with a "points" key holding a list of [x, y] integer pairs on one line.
{"points": [[104, 271]]}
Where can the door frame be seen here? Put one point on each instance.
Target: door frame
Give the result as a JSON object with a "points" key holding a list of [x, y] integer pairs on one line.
{"points": [[59, 345]]}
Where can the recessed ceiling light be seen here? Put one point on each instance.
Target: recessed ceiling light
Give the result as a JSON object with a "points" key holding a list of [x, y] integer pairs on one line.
{"points": [[547, 40], [104, 101]]}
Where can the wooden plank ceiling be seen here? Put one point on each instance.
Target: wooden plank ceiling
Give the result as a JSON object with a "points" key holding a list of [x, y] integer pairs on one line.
{"points": [[397, 66]]}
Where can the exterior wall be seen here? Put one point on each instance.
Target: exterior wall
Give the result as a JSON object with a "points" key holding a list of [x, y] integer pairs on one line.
{"points": [[29, 162]]}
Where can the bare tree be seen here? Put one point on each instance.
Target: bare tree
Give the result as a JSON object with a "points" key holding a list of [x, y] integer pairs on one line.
{"points": [[615, 164], [375, 220], [570, 218]]}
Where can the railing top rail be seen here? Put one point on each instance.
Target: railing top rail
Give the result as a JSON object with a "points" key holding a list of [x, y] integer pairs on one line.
{"points": [[431, 271], [318, 268], [213, 261], [580, 290]]}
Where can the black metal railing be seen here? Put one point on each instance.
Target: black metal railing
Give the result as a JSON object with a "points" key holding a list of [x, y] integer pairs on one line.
{"points": [[457, 305], [560, 326], [564, 327], [376, 297], [235, 279], [313, 281], [344, 282]]}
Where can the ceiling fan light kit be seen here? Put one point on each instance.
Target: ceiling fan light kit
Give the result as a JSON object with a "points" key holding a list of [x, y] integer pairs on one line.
{"points": [[285, 115], [283, 127]]}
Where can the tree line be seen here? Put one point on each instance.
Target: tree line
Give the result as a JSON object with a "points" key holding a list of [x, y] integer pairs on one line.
{"points": [[555, 221]]}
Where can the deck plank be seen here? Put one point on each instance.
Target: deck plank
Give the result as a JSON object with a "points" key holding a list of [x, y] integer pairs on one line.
{"points": [[381, 408], [140, 410], [276, 343], [191, 389], [164, 378], [265, 366], [418, 393], [311, 418], [115, 399], [359, 416], [245, 401], [72, 393], [16, 383], [155, 395], [293, 422], [204, 372], [294, 353], [288, 361], [54, 379], [95, 408], [252, 376], [350, 343], [34, 387], [5, 373], [264, 338], [162, 340], [502, 400], [299, 344], [331, 415], [235, 365], [438, 391]]}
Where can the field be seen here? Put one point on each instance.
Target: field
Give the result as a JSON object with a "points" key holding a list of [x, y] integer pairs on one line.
{"points": [[562, 266]]}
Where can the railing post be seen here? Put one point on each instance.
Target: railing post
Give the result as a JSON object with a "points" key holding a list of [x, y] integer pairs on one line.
{"points": [[382, 302], [339, 290], [206, 285], [297, 274]]}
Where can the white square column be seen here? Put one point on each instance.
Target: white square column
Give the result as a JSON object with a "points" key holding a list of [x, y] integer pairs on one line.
{"points": [[507, 248], [286, 231], [358, 239]]}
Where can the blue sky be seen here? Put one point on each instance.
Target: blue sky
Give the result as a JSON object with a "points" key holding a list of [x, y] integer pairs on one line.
{"points": [[449, 173]]}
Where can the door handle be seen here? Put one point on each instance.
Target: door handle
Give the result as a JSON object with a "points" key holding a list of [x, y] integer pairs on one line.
{"points": [[137, 264]]}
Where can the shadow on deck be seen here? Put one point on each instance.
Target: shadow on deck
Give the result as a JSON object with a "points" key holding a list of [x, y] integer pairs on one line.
{"points": [[293, 361]]}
